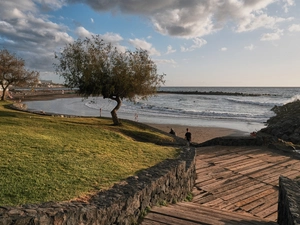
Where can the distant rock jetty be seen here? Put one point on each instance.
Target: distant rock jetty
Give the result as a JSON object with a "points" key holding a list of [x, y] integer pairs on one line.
{"points": [[212, 93]]}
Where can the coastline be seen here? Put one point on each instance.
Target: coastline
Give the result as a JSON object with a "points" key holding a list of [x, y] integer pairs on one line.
{"points": [[199, 133], [42, 95]]}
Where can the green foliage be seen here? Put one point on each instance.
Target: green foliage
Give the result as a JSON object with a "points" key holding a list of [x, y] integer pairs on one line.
{"points": [[145, 212], [13, 72], [97, 68], [189, 197], [47, 158], [162, 203]]}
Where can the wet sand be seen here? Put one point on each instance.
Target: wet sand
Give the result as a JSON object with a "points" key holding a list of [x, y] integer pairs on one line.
{"points": [[199, 134]]}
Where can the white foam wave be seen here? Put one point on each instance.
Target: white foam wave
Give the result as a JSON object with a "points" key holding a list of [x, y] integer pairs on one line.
{"points": [[254, 102], [292, 99]]}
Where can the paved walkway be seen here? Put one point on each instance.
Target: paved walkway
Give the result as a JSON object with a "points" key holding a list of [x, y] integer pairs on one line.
{"points": [[235, 185]]}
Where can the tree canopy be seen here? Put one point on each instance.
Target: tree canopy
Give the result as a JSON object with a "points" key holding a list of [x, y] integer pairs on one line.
{"points": [[13, 72], [97, 68]]}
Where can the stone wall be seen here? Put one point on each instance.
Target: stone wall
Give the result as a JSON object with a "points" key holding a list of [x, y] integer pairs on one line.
{"points": [[125, 203], [288, 202]]}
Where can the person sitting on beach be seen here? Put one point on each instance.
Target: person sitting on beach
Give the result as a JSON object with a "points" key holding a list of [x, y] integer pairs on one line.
{"points": [[172, 132], [188, 136]]}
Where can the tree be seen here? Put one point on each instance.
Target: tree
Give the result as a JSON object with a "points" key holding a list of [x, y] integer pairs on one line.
{"points": [[13, 72], [97, 68]]}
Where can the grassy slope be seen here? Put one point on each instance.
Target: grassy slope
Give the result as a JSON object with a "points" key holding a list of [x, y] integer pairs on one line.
{"points": [[47, 158]]}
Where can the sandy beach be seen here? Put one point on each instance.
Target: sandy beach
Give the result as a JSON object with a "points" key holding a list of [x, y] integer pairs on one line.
{"points": [[199, 134]]}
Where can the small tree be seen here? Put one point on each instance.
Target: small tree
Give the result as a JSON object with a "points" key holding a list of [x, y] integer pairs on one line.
{"points": [[99, 69], [13, 72]]}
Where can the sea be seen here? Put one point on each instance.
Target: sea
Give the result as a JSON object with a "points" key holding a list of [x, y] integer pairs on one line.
{"points": [[245, 109]]}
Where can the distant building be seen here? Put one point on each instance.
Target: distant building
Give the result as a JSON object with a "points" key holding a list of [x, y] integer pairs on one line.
{"points": [[45, 82]]}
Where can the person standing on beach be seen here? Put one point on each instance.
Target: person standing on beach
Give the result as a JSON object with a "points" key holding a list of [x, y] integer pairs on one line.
{"points": [[188, 136]]}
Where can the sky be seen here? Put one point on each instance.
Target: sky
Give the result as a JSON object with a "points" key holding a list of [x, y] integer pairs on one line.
{"points": [[193, 42]]}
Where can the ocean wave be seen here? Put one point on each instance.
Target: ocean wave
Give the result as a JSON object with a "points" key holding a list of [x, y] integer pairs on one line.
{"points": [[208, 114], [253, 102], [181, 111], [292, 99]]}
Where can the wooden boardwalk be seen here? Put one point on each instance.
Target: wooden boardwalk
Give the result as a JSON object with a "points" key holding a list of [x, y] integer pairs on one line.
{"points": [[235, 185]]}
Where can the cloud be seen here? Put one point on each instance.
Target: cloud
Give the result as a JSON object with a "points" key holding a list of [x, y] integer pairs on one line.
{"points": [[194, 18], [23, 30], [141, 43], [223, 49], [170, 50], [294, 28], [249, 47], [272, 36], [113, 38], [261, 21], [27, 29], [198, 43], [165, 61], [287, 4], [81, 32]]}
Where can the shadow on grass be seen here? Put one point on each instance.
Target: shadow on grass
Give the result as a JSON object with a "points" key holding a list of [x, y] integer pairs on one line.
{"points": [[147, 133]]}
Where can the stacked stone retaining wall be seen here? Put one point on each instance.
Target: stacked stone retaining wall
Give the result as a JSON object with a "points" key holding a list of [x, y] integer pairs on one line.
{"points": [[288, 202], [125, 203]]}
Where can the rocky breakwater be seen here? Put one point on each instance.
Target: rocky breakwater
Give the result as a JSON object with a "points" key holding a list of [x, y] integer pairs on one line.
{"points": [[283, 129]]}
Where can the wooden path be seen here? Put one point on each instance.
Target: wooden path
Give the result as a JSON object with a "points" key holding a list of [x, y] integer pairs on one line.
{"points": [[235, 185]]}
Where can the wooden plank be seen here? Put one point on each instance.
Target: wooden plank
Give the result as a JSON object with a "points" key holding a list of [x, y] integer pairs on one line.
{"points": [[199, 196], [250, 164], [210, 169], [275, 179], [289, 162], [273, 197], [214, 202], [241, 163], [209, 197], [201, 164], [273, 158], [234, 200], [182, 216], [239, 180], [295, 165], [233, 185], [230, 216], [233, 158], [267, 178], [268, 171], [203, 184], [255, 197], [270, 210], [272, 217], [249, 171], [234, 189], [246, 191], [211, 186], [265, 206]]}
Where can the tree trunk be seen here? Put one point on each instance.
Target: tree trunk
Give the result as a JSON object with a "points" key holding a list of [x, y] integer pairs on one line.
{"points": [[3, 93], [114, 111]]}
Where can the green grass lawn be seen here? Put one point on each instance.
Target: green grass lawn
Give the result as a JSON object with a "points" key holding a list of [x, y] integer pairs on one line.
{"points": [[44, 158]]}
